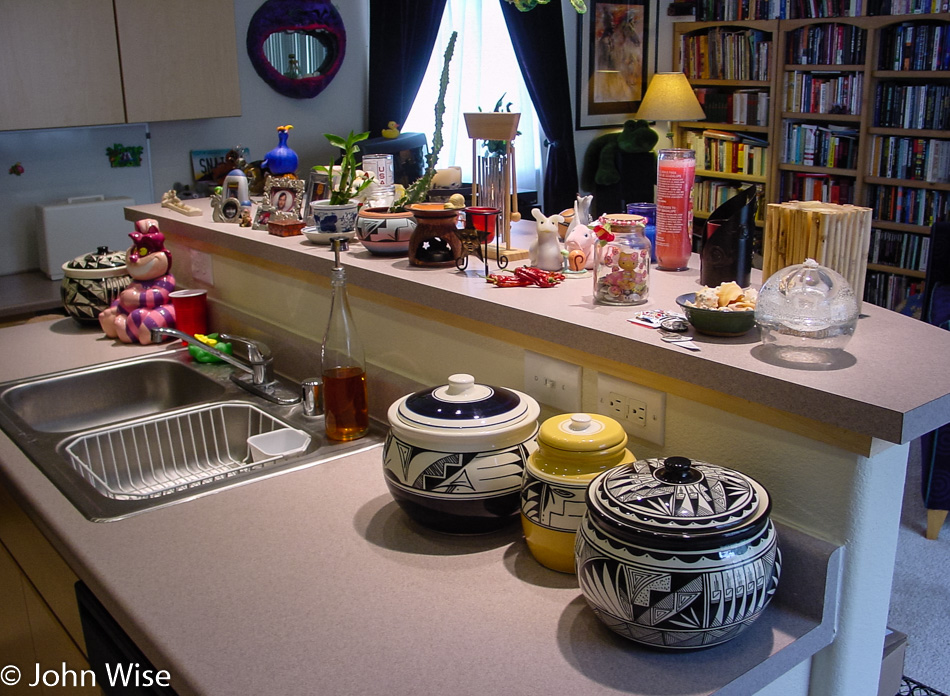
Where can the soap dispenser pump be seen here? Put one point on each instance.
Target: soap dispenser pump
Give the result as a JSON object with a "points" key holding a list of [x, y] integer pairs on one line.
{"points": [[345, 404]]}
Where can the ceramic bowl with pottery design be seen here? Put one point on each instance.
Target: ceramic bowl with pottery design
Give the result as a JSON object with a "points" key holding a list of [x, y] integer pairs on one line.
{"points": [[455, 454], [92, 282], [678, 554]]}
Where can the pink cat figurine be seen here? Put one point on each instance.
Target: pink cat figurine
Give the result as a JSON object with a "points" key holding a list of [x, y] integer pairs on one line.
{"points": [[144, 304]]}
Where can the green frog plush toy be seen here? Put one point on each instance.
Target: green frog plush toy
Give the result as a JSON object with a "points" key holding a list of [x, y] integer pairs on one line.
{"points": [[620, 168]]}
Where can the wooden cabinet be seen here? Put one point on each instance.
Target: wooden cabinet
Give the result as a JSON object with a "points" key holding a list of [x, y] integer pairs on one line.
{"points": [[88, 62]]}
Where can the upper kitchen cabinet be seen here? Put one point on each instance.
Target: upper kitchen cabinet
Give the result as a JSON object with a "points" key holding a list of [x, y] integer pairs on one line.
{"points": [[89, 62], [60, 64], [179, 59]]}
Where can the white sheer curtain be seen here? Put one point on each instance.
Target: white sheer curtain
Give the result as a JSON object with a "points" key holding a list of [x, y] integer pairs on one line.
{"points": [[483, 69]]}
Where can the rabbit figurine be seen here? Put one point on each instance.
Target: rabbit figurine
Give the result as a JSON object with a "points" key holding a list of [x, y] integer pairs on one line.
{"points": [[579, 244], [581, 213], [545, 252]]}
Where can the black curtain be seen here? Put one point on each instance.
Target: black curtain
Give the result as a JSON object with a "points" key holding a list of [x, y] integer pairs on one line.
{"points": [[538, 39], [401, 36]]}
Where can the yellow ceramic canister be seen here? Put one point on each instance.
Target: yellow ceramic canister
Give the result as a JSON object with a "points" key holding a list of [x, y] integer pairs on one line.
{"points": [[573, 448]]}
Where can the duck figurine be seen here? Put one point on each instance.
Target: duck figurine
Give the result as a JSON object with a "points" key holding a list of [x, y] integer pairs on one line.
{"points": [[391, 130], [144, 304], [282, 160]]}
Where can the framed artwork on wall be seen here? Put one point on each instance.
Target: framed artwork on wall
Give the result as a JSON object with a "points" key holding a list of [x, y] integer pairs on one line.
{"points": [[614, 61]]}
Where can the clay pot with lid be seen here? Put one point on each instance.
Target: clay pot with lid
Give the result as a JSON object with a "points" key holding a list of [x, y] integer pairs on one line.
{"points": [[455, 454], [678, 554], [91, 283], [572, 449]]}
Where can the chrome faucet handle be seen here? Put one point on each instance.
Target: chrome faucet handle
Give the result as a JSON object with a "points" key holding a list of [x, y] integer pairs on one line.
{"points": [[258, 355]]}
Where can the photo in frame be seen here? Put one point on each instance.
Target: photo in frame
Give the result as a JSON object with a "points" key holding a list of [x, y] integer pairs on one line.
{"points": [[284, 194], [318, 188], [614, 61], [262, 217]]}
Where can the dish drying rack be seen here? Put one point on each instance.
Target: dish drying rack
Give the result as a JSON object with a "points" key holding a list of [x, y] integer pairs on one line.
{"points": [[159, 456]]}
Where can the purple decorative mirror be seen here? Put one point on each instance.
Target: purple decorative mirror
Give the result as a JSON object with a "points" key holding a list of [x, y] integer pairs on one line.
{"points": [[296, 46]]}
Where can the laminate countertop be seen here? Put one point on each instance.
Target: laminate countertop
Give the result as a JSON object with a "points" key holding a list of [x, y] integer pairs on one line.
{"points": [[892, 382], [315, 582]]}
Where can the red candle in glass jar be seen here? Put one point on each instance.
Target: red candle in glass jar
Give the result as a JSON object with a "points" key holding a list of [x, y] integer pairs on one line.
{"points": [[676, 172]]}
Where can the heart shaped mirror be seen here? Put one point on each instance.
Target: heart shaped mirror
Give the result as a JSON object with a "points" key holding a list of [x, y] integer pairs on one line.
{"points": [[296, 46]]}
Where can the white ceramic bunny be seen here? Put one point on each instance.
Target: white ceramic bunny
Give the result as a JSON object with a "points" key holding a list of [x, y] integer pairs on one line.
{"points": [[579, 245], [545, 252], [581, 213]]}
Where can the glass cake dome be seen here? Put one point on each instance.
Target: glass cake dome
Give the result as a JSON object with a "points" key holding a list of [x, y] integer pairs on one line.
{"points": [[806, 311]]}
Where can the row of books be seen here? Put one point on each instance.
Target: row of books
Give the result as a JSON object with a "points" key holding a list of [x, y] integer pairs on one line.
{"points": [[728, 152], [730, 11], [914, 46], [829, 188], [826, 44], [742, 106], [890, 290], [726, 54], [823, 92], [889, 248], [923, 106], [908, 204], [822, 146], [915, 159]]}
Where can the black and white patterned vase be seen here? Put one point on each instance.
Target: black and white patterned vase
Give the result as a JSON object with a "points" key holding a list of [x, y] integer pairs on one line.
{"points": [[92, 282], [677, 554]]}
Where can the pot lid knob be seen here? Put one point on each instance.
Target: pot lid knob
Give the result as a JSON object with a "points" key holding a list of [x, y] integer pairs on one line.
{"points": [[678, 470], [579, 422], [459, 384]]}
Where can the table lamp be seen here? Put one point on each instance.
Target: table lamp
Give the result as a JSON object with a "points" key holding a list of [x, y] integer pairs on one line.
{"points": [[670, 97]]}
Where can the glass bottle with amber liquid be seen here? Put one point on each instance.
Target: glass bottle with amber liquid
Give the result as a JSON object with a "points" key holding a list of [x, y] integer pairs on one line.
{"points": [[344, 367]]}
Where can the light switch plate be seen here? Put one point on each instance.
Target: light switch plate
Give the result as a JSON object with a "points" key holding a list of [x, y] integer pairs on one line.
{"points": [[553, 382]]}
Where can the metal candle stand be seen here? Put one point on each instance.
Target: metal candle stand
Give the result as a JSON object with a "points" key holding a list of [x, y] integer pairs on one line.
{"points": [[481, 226]]}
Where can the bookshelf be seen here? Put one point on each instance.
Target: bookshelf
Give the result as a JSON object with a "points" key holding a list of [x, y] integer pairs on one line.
{"points": [[731, 67], [859, 112]]}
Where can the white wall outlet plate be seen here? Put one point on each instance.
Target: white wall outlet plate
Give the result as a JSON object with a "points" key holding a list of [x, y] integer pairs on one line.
{"points": [[553, 382], [640, 410], [201, 267]]}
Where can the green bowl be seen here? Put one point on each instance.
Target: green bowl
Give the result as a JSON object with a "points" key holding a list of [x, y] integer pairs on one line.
{"points": [[716, 322]]}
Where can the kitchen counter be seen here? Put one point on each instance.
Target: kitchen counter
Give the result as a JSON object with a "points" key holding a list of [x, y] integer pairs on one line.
{"points": [[314, 581], [829, 445], [893, 382]]}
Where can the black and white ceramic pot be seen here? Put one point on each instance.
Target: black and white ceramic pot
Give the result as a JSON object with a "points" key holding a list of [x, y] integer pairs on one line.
{"points": [[455, 454], [674, 553], [92, 282]]}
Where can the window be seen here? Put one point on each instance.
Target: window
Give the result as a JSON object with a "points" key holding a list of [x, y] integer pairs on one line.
{"points": [[484, 68]]}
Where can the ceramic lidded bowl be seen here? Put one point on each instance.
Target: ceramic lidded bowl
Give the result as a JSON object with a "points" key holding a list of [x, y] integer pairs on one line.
{"points": [[674, 553], [92, 282], [455, 454], [573, 448]]}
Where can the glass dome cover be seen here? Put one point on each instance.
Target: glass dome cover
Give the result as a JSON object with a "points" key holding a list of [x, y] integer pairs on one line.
{"points": [[807, 305]]}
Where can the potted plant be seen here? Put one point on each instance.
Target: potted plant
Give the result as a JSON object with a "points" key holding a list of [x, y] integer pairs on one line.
{"points": [[337, 213]]}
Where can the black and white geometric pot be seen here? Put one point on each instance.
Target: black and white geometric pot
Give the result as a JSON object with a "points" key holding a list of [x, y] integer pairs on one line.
{"points": [[455, 454], [92, 282], [677, 554]]}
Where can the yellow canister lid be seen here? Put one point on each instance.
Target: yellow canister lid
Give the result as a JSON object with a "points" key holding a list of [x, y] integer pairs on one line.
{"points": [[573, 444]]}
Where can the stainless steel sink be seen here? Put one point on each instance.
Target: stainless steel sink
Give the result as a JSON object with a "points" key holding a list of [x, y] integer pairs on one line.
{"points": [[122, 438]]}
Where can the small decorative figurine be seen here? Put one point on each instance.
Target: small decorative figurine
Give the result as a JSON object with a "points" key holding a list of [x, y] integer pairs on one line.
{"points": [[581, 214], [144, 304], [391, 131], [171, 201], [579, 245], [281, 161], [545, 252]]}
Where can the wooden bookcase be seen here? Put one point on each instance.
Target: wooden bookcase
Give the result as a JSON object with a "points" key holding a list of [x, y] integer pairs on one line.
{"points": [[832, 83]]}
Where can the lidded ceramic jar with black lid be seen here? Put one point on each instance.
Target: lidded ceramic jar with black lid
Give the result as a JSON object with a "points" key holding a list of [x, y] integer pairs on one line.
{"points": [[573, 448], [455, 454], [675, 553], [91, 283]]}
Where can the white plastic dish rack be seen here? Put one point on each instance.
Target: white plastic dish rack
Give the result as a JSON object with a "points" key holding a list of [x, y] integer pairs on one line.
{"points": [[158, 456]]}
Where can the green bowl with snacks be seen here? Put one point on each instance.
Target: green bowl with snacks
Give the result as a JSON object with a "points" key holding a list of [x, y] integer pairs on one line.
{"points": [[716, 322]]}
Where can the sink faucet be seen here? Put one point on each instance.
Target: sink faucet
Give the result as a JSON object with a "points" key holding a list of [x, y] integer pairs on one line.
{"points": [[258, 372]]}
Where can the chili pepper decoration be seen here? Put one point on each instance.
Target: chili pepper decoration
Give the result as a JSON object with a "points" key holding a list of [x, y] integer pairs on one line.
{"points": [[524, 276]]}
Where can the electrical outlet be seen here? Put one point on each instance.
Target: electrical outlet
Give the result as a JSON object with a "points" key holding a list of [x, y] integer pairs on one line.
{"points": [[202, 267], [553, 382], [640, 410]]}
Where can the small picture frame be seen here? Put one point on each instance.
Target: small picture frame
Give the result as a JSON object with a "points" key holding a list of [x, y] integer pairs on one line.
{"points": [[262, 217], [318, 188], [231, 210], [284, 194]]}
